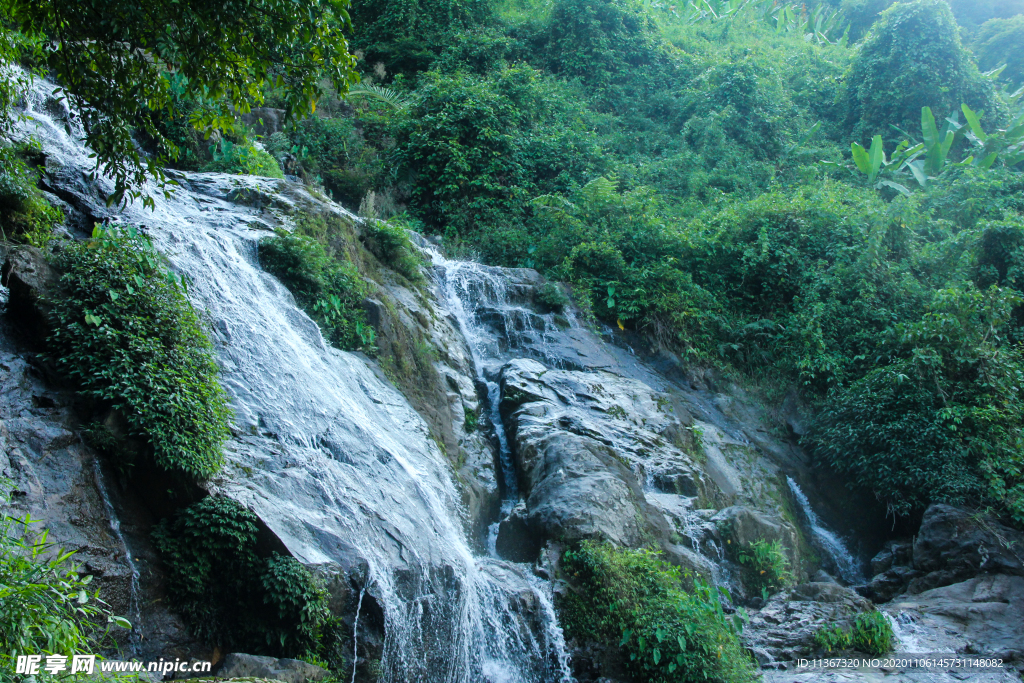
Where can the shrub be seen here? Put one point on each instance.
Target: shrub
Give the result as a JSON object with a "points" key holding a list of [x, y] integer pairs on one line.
{"points": [[766, 568], [389, 242], [631, 599], [25, 215], [46, 604], [941, 421], [232, 597], [328, 289], [243, 159], [872, 633], [999, 42], [832, 638], [550, 298], [913, 59], [125, 333]]}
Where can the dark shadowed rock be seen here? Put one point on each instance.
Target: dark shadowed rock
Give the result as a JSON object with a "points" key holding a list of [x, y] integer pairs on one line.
{"points": [[238, 665], [31, 281], [954, 544]]}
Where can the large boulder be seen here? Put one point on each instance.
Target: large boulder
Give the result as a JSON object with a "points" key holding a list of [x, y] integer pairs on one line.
{"points": [[955, 544], [238, 665], [583, 442], [983, 615], [741, 526], [784, 628]]}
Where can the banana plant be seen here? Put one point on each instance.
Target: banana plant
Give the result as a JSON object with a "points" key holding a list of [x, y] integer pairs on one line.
{"points": [[1007, 144], [871, 162]]}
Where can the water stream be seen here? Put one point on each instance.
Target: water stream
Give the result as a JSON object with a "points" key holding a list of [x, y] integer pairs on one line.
{"points": [[846, 564], [331, 458]]}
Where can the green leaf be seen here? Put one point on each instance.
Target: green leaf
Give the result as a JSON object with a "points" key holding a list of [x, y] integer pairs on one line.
{"points": [[974, 123], [860, 158], [877, 157]]}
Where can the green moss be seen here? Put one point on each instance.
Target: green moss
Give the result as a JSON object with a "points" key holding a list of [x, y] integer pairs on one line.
{"points": [[126, 334], [632, 600]]}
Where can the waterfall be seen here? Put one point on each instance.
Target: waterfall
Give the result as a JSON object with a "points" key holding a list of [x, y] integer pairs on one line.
{"points": [[134, 639], [484, 303], [847, 566], [331, 458]]}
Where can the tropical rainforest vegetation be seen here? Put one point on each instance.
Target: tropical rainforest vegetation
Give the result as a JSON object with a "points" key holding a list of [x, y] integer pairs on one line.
{"points": [[828, 197], [823, 196]]}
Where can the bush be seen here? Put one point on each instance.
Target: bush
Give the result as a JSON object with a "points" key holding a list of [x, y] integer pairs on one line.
{"points": [[243, 159], [631, 599], [232, 597], [550, 298], [832, 638], [999, 42], [872, 633], [913, 59], [125, 333], [942, 421], [390, 243], [329, 290], [46, 605], [25, 215], [766, 568]]}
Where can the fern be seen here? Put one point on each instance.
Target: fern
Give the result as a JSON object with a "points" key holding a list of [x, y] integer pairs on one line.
{"points": [[601, 190], [390, 97]]}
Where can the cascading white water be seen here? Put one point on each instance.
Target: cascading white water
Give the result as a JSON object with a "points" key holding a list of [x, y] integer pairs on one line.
{"points": [[133, 579], [335, 461], [846, 564], [474, 292]]}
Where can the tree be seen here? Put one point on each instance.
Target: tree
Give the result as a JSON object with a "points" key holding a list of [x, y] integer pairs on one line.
{"points": [[999, 42], [123, 63], [913, 58]]}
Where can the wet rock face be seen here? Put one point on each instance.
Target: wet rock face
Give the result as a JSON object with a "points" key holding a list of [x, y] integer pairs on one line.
{"points": [[954, 544], [983, 615], [583, 443], [784, 628]]}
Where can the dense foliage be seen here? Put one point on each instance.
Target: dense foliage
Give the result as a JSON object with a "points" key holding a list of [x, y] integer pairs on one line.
{"points": [[328, 289], [120, 62], [765, 567], [125, 333], [233, 597], [25, 215], [632, 598], [47, 606]]}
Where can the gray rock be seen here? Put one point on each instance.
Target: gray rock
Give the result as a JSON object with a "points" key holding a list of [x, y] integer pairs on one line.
{"points": [[31, 281], [238, 665], [784, 628], [741, 526], [986, 613], [580, 441], [954, 544]]}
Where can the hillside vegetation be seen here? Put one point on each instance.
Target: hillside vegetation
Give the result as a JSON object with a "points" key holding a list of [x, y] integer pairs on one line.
{"points": [[827, 197], [738, 182]]}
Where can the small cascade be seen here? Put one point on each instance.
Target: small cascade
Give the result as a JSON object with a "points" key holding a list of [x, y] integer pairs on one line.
{"points": [[134, 639], [846, 564], [483, 301], [331, 458]]}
